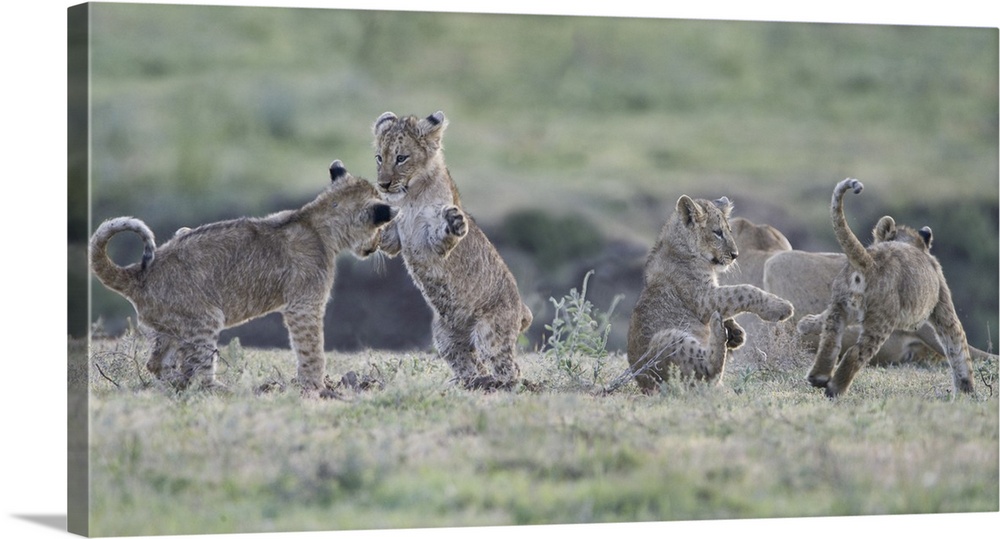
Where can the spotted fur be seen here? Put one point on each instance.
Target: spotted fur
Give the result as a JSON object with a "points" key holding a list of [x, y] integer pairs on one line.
{"points": [[683, 317], [887, 286], [222, 274], [478, 312]]}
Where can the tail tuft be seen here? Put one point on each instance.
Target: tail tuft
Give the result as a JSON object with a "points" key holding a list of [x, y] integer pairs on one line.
{"points": [[855, 185]]}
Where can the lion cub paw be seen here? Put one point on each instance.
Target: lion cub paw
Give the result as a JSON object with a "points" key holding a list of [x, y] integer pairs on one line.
{"points": [[810, 324], [455, 223], [735, 335], [818, 380], [780, 311]]}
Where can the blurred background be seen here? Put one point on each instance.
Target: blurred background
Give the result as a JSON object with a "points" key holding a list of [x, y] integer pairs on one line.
{"points": [[570, 139]]}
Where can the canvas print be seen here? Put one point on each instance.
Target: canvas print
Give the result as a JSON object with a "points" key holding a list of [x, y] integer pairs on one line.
{"points": [[359, 269]]}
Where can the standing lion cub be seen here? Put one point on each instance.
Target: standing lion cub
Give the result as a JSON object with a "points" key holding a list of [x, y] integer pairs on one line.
{"points": [[478, 312], [888, 285], [683, 318], [223, 274]]}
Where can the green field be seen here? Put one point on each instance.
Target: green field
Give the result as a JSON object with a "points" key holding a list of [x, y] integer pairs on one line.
{"points": [[412, 450]]}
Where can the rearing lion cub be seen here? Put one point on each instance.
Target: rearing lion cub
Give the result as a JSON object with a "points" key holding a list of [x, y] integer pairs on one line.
{"points": [[222, 274], [478, 312], [683, 317], [890, 285]]}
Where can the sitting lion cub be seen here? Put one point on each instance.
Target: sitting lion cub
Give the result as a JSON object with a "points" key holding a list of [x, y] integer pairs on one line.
{"points": [[478, 312], [223, 274], [683, 317]]}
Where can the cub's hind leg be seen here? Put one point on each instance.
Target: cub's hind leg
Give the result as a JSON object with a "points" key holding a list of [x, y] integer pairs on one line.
{"points": [[675, 347], [161, 354], [873, 336], [305, 331], [196, 358], [664, 350], [954, 342], [829, 345], [455, 345], [496, 348]]}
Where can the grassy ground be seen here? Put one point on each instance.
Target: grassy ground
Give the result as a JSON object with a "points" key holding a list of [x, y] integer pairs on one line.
{"points": [[412, 450]]}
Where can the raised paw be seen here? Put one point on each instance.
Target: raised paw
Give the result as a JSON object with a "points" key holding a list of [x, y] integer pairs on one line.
{"points": [[455, 223], [735, 335], [810, 324], [780, 311]]}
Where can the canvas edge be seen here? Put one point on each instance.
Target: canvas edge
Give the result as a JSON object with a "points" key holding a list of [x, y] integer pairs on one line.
{"points": [[78, 165]]}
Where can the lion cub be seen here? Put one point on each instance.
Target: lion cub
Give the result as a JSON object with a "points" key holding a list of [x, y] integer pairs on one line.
{"points": [[223, 274], [890, 285], [478, 312], [683, 317]]}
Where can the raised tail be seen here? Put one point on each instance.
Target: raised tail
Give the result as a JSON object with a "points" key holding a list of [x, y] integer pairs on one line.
{"points": [[856, 253], [112, 275]]}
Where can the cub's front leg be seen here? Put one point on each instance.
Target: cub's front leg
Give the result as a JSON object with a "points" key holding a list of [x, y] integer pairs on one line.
{"points": [[389, 243], [733, 300], [449, 230]]}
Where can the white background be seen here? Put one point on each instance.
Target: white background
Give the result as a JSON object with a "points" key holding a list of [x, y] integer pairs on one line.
{"points": [[33, 379]]}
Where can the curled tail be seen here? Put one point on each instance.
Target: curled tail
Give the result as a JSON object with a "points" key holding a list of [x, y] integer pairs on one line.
{"points": [[849, 243], [112, 275]]}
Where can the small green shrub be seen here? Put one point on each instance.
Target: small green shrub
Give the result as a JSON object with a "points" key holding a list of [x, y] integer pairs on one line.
{"points": [[579, 335]]}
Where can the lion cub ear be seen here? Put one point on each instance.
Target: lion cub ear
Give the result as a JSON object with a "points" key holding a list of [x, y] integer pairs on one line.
{"points": [[725, 205], [689, 211], [927, 235], [885, 229], [383, 213], [432, 127], [337, 170], [383, 123]]}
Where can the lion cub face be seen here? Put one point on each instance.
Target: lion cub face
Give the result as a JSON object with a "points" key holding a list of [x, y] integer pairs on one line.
{"points": [[363, 214], [709, 235], [403, 146]]}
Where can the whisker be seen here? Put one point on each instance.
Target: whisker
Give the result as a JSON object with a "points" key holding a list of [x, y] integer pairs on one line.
{"points": [[378, 263]]}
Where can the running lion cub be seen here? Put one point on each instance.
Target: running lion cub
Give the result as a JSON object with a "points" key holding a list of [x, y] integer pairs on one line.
{"points": [[887, 286], [683, 318], [223, 274], [478, 312]]}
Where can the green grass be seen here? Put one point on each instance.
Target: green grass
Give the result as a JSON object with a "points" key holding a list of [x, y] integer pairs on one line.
{"points": [[419, 452]]}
